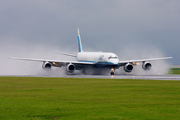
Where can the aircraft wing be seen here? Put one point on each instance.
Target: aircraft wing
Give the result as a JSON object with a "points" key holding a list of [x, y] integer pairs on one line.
{"points": [[143, 60], [56, 63]]}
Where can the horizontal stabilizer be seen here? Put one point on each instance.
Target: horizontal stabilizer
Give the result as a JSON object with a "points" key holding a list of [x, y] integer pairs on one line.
{"points": [[67, 54]]}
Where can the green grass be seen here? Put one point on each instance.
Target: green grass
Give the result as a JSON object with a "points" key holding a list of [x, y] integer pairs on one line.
{"points": [[26, 98], [174, 71]]}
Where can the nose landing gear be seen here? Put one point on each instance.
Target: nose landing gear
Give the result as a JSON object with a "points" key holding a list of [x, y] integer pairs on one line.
{"points": [[112, 72]]}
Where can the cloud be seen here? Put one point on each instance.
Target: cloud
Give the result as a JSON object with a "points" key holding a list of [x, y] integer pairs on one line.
{"points": [[105, 25]]}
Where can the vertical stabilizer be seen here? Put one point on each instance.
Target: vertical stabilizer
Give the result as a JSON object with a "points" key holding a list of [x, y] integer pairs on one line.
{"points": [[79, 41]]}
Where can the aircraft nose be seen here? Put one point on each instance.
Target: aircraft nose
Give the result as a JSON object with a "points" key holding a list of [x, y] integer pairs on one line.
{"points": [[116, 62]]}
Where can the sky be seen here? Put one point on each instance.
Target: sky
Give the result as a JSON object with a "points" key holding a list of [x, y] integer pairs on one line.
{"points": [[133, 29]]}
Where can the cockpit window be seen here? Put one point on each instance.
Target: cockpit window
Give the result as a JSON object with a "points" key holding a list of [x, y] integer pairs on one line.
{"points": [[115, 57]]}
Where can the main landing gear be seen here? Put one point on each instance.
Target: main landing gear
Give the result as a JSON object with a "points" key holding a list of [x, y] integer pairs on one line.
{"points": [[112, 72]]}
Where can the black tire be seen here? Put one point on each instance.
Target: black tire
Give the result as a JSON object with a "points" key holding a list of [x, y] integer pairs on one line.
{"points": [[112, 73]]}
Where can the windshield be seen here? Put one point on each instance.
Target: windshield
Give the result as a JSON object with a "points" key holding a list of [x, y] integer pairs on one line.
{"points": [[115, 57]]}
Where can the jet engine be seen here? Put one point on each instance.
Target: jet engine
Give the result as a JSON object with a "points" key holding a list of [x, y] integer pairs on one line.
{"points": [[70, 68], [146, 66], [128, 67], [46, 65]]}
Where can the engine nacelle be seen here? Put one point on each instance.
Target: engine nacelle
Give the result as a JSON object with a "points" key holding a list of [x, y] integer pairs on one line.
{"points": [[70, 68], [128, 67], [146, 66], [46, 65]]}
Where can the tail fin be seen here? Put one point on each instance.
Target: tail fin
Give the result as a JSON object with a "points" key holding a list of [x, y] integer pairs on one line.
{"points": [[79, 41]]}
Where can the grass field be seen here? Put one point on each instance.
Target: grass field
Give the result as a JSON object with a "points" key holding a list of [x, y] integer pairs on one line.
{"points": [[26, 98], [174, 71]]}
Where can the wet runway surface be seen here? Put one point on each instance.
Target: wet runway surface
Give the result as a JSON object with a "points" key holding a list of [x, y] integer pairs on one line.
{"points": [[142, 77], [146, 77]]}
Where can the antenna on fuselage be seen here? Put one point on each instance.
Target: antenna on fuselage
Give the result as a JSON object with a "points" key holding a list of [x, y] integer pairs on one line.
{"points": [[79, 41]]}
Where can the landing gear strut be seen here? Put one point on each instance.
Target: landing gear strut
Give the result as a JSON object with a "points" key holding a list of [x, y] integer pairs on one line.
{"points": [[112, 72]]}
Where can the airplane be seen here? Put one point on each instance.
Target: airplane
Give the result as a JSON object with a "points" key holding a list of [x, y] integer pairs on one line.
{"points": [[87, 60]]}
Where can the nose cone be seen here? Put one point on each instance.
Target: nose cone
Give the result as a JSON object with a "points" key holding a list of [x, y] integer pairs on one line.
{"points": [[115, 61]]}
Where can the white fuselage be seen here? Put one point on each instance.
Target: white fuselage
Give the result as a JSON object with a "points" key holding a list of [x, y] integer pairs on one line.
{"points": [[98, 57]]}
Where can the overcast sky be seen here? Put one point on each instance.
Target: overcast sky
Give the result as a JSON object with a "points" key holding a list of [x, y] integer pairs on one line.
{"points": [[125, 27]]}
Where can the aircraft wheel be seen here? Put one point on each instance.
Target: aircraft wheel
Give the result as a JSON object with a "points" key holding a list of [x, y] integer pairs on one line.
{"points": [[112, 73]]}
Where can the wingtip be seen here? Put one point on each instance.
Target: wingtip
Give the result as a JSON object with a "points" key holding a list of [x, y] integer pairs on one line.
{"points": [[169, 57], [12, 57], [9, 57]]}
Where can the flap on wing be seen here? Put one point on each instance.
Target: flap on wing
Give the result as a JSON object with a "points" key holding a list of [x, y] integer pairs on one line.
{"points": [[142, 60]]}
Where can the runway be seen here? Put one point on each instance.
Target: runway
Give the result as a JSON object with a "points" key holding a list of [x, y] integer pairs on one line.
{"points": [[129, 76], [144, 77], [141, 77]]}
